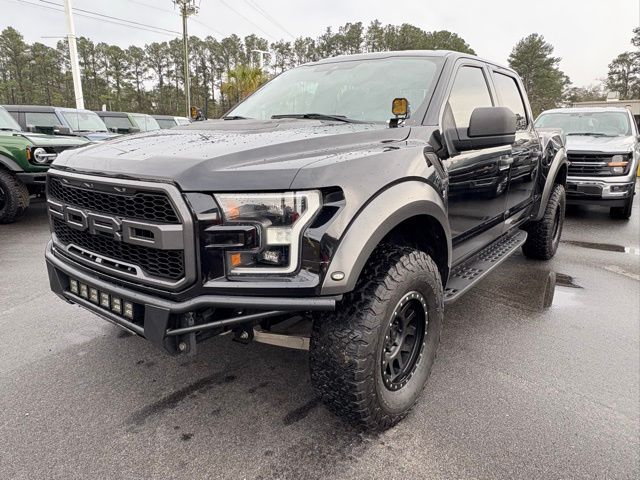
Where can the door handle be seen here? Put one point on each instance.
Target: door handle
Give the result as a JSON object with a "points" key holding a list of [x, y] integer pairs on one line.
{"points": [[505, 163]]}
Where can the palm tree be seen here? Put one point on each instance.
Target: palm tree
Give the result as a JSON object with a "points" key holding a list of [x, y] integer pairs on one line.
{"points": [[242, 81]]}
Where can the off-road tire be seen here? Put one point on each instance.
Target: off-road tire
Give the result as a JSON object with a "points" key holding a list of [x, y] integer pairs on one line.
{"points": [[16, 197], [544, 235], [347, 345], [623, 213]]}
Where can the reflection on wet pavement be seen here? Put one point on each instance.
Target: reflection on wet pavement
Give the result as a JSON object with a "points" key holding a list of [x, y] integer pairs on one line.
{"points": [[607, 247], [535, 292], [563, 280]]}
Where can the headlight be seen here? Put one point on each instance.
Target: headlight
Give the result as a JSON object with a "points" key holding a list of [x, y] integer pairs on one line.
{"points": [[618, 164], [271, 243], [41, 156]]}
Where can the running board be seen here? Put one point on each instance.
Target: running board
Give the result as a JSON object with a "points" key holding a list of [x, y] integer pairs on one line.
{"points": [[469, 272]]}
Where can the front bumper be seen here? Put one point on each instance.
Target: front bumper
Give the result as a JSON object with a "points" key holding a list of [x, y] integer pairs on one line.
{"points": [[159, 320], [38, 179], [597, 191]]}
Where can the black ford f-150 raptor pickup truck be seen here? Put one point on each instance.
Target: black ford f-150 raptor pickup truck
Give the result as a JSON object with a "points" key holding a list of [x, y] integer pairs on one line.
{"points": [[360, 192]]}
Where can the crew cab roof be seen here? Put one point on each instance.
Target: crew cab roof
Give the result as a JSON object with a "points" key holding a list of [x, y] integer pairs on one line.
{"points": [[31, 108], [587, 110], [103, 113], [448, 54], [43, 108]]}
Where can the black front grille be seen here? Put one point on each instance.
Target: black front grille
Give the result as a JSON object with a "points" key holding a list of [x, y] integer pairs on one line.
{"points": [[140, 205], [167, 264]]}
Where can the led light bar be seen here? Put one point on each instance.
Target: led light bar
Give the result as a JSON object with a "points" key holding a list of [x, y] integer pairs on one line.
{"points": [[103, 299]]}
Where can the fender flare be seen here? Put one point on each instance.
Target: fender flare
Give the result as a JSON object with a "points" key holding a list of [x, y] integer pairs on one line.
{"points": [[554, 141], [384, 212], [9, 164]]}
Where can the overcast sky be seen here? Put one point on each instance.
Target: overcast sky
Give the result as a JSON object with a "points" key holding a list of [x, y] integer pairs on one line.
{"points": [[586, 34]]}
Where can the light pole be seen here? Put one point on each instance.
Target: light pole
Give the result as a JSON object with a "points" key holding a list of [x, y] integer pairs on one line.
{"points": [[73, 56], [262, 54], [187, 7]]}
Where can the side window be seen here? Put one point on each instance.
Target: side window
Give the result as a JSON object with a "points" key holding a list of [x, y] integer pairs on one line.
{"points": [[469, 92], [41, 119], [509, 93]]}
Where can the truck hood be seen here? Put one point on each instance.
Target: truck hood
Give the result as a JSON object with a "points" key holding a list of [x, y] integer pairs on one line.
{"points": [[579, 143], [43, 140], [226, 155], [98, 136]]}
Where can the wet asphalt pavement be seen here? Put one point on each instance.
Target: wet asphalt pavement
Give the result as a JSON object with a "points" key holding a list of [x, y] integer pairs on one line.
{"points": [[530, 382]]}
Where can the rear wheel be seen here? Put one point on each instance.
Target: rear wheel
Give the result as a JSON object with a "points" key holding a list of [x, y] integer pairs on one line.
{"points": [[371, 358], [14, 197], [544, 235], [623, 212]]}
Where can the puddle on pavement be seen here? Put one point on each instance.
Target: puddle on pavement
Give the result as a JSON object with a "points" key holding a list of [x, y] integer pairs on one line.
{"points": [[541, 290], [563, 280], [607, 247]]}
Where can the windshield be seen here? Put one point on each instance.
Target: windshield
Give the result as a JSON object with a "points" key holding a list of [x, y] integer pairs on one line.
{"points": [[146, 123], [166, 122], [610, 124], [80, 121], [359, 90], [7, 122], [117, 122]]}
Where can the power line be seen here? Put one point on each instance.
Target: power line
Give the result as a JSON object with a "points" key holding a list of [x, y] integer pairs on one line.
{"points": [[266, 15], [150, 28], [166, 10], [246, 19], [217, 32], [102, 15]]}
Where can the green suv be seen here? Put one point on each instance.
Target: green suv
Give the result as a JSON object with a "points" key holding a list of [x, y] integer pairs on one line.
{"points": [[24, 161]]}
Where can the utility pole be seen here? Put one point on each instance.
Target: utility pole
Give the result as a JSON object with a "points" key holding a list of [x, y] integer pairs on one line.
{"points": [[73, 55], [187, 7]]}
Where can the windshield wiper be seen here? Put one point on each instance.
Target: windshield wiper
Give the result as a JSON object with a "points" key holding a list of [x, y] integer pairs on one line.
{"points": [[7, 129], [590, 134], [235, 117], [316, 116]]}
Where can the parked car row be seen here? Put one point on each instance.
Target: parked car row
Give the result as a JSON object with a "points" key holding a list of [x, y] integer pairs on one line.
{"points": [[32, 136], [24, 160], [94, 126]]}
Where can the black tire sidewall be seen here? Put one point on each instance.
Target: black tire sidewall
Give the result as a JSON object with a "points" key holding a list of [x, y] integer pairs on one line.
{"points": [[10, 210], [399, 401], [560, 211]]}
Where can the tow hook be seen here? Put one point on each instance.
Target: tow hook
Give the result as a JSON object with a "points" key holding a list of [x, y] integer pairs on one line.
{"points": [[243, 335], [187, 343]]}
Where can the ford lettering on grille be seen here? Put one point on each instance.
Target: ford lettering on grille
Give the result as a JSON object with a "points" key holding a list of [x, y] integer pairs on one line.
{"points": [[160, 236]]}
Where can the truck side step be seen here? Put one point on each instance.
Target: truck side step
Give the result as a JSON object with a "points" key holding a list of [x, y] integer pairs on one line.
{"points": [[469, 272]]}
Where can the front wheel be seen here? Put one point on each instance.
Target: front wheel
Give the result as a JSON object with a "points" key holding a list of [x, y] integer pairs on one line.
{"points": [[544, 235], [371, 358], [14, 197]]}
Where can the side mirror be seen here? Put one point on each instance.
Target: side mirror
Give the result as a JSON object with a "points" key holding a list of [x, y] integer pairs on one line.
{"points": [[488, 127]]}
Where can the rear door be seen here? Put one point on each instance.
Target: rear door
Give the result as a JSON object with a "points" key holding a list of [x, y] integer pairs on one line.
{"points": [[526, 150], [478, 179]]}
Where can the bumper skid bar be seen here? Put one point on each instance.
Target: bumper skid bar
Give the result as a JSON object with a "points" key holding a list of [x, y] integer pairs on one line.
{"points": [[157, 311]]}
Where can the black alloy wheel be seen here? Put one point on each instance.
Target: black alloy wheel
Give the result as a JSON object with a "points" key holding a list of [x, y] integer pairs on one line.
{"points": [[404, 340]]}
